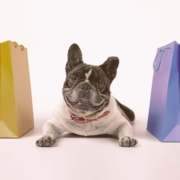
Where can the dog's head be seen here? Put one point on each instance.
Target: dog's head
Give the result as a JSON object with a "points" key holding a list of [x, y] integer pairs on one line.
{"points": [[86, 89]]}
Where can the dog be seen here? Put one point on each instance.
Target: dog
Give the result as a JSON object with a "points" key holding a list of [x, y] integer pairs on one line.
{"points": [[87, 107]]}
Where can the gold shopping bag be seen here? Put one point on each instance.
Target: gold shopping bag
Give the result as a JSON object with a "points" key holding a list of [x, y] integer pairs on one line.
{"points": [[16, 111]]}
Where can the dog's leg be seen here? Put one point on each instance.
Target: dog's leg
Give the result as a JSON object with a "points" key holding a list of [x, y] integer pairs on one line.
{"points": [[50, 134], [125, 134]]}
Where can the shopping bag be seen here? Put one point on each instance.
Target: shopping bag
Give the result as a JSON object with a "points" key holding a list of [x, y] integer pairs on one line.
{"points": [[16, 111], [164, 117]]}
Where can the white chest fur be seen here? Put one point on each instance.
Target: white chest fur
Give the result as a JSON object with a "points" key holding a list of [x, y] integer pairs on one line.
{"points": [[105, 125]]}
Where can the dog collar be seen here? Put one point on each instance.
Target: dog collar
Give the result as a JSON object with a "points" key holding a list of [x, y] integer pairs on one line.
{"points": [[81, 120]]}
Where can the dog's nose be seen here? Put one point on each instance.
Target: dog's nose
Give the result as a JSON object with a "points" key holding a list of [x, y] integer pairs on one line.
{"points": [[85, 86]]}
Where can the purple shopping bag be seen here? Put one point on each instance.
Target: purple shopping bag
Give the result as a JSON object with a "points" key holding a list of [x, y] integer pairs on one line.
{"points": [[164, 117]]}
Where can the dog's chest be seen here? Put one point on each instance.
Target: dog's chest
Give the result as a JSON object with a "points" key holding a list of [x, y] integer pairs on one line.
{"points": [[103, 126]]}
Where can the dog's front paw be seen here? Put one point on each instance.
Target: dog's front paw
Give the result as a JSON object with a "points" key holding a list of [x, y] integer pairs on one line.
{"points": [[127, 142], [45, 141]]}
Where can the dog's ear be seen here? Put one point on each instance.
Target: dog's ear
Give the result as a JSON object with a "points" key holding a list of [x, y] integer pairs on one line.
{"points": [[110, 67], [74, 57]]}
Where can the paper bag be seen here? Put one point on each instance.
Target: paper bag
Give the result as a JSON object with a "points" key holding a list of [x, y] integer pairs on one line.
{"points": [[164, 117], [16, 112]]}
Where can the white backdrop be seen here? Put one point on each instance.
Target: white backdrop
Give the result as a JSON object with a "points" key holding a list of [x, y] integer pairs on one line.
{"points": [[129, 29]]}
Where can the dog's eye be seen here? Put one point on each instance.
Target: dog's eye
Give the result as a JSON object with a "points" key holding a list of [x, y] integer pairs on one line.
{"points": [[100, 83], [73, 79]]}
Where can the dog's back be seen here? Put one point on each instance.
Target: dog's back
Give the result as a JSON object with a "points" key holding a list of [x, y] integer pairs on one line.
{"points": [[128, 112]]}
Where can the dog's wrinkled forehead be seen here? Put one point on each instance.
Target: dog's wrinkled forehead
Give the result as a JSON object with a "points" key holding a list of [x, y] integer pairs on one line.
{"points": [[87, 72]]}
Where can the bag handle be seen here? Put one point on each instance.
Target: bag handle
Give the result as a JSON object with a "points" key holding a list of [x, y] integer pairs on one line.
{"points": [[157, 62]]}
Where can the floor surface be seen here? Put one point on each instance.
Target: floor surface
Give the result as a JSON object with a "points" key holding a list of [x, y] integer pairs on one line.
{"points": [[89, 158]]}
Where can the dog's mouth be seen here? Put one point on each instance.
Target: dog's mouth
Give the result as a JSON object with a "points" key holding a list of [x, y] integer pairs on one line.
{"points": [[81, 102], [86, 103]]}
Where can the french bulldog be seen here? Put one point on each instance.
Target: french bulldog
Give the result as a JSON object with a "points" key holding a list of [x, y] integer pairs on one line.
{"points": [[88, 107]]}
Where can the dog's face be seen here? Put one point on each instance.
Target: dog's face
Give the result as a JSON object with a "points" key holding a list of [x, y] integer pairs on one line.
{"points": [[86, 89]]}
